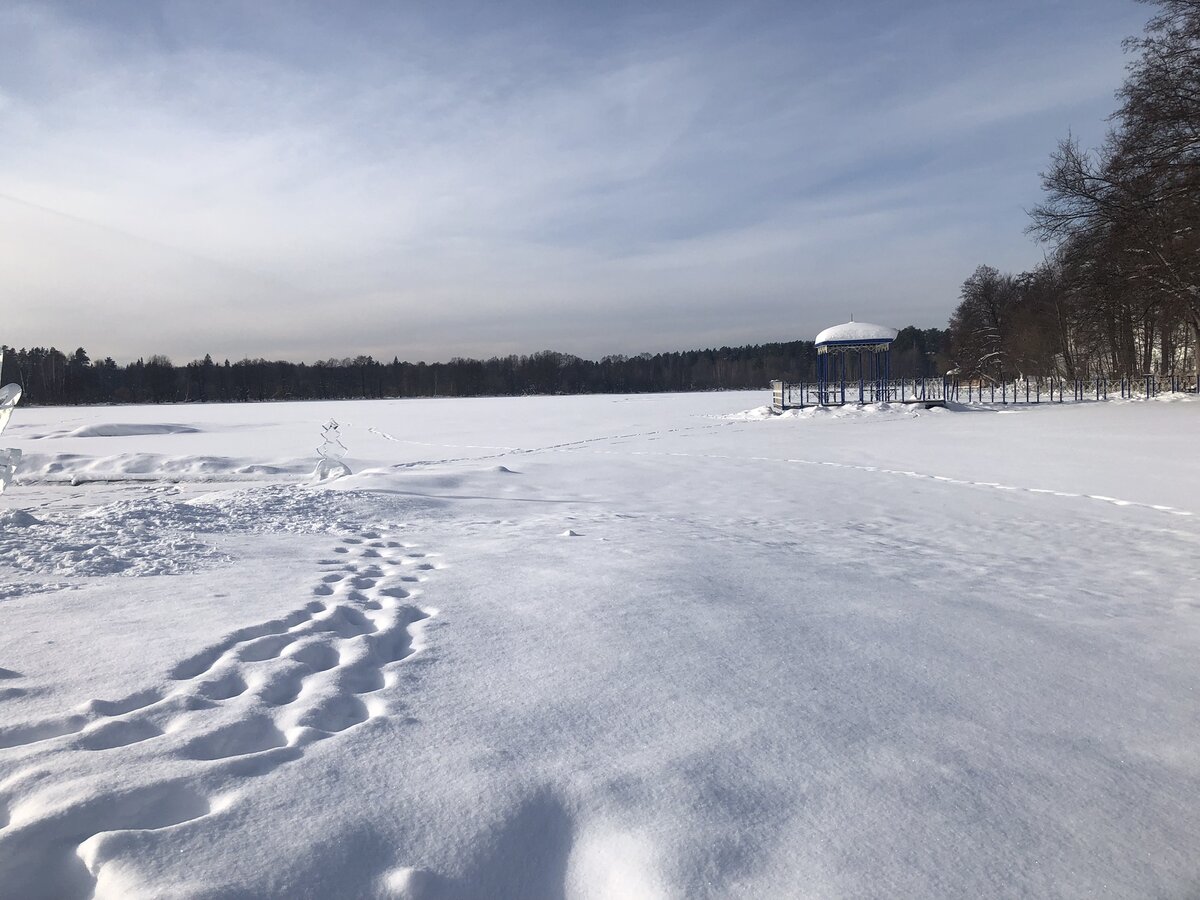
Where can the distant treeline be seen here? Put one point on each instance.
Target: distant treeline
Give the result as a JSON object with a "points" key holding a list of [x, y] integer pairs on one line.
{"points": [[49, 377], [1120, 291]]}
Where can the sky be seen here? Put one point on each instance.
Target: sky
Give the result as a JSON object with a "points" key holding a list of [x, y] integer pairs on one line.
{"points": [[311, 180]]}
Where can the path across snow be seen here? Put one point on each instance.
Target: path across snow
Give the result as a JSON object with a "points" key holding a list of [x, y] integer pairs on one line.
{"points": [[875, 654]]}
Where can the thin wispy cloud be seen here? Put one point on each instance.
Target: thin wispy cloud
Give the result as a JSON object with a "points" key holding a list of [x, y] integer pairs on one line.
{"points": [[291, 179]]}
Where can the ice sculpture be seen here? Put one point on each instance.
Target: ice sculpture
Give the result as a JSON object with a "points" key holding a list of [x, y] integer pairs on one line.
{"points": [[10, 395], [332, 451]]}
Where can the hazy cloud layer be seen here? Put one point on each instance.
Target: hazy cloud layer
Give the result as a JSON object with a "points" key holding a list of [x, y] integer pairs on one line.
{"points": [[307, 180]]}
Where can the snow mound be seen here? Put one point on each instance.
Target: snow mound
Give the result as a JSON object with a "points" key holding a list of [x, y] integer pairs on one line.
{"points": [[17, 518], [81, 469], [849, 411], [114, 429], [866, 411], [27, 589], [1177, 397], [751, 415]]}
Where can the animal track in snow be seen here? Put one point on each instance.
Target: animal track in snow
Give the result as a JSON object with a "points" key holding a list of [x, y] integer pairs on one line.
{"points": [[241, 707]]}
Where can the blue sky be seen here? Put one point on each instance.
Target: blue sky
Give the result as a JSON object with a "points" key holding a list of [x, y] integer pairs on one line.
{"points": [[306, 180]]}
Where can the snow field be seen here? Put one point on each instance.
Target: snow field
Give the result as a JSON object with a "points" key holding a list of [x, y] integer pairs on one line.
{"points": [[604, 647]]}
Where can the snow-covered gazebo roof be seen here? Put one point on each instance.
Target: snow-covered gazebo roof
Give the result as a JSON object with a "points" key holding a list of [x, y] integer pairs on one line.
{"points": [[857, 333], [854, 350], [853, 334]]}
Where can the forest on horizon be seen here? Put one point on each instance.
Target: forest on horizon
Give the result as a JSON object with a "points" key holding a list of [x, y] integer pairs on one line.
{"points": [[49, 377]]}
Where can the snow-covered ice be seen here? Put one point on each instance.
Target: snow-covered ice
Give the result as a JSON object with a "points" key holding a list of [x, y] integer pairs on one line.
{"points": [[879, 652]]}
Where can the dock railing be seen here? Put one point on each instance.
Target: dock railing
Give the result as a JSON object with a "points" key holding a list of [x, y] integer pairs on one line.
{"points": [[940, 390]]}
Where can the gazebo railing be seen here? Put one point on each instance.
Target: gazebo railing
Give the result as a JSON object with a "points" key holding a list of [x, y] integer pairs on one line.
{"points": [[797, 395]]}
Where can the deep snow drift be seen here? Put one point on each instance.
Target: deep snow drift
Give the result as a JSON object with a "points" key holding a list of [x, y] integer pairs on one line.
{"points": [[650, 646]]}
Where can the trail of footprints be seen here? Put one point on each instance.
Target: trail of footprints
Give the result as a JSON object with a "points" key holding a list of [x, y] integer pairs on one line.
{"points": [[271, 690]]}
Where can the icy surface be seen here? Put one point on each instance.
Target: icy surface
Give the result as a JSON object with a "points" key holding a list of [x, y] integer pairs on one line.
{"points": [[649, 646]]}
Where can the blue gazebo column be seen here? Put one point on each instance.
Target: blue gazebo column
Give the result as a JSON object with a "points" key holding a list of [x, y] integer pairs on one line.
{"points": [[861, 378]]}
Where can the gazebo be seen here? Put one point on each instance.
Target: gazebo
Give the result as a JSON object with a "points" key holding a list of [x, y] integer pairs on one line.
{"points": [[853, 351]]}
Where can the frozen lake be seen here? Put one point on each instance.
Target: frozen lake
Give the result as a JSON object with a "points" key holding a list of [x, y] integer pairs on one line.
{"points": [[608, 646]]}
